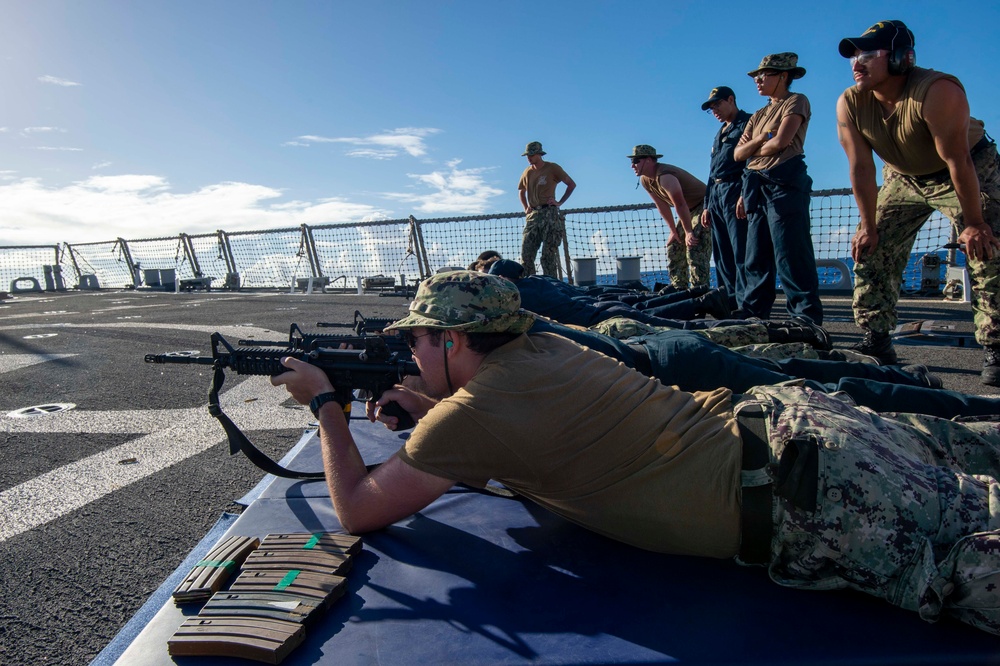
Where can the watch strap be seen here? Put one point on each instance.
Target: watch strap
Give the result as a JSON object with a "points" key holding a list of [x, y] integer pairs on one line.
{"points": [[320, 400]]}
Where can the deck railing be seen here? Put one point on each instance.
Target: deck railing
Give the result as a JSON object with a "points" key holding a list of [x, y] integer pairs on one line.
{"points": [[339, 254]]}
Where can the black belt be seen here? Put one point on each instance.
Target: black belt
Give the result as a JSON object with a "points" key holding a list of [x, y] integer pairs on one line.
{"points": [[545, 206], [756, 521]]}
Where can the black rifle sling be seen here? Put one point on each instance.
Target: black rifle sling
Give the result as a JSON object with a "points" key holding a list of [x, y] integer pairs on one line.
{"points": [[239, 442]]}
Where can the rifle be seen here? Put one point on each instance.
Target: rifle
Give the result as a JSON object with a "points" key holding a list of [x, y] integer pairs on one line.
{"points": [[362, 324], [362, 327], [300, 340], [371, 370]]}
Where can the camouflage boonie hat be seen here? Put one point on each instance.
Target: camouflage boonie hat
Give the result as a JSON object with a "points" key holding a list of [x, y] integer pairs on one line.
{"points": [[533, 148], [467, 301], [781, 62], [642, 150]]}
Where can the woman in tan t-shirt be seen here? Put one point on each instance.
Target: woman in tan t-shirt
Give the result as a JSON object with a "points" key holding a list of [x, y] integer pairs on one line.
{"points": [[776, 193]]}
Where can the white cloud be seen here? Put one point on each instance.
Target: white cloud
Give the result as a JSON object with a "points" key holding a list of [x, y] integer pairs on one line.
{"points": [[373, 154], [41, 130], [388, 144], [55, 80], [134, 206], [101, 165], [460, 191], [63, 148]]}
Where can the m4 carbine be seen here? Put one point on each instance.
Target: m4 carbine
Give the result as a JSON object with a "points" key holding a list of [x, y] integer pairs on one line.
{"points": [[362, 328], [371, 369]]}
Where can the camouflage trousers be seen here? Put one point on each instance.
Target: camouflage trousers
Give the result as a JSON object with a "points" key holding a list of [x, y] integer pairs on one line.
{"points": [[545, 227], [737, 335], [904, 204], [690, 264], [905, 507]]}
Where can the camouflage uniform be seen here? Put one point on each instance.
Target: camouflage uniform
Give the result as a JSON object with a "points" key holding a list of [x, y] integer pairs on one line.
{"points": [[545, 227], [904, 204], [779, 350], [728, 336], [906, 507], [689, 266]]}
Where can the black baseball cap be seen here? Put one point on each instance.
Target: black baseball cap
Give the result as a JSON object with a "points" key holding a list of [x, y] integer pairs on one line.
{"points": [[883, 35], [722, 92]]}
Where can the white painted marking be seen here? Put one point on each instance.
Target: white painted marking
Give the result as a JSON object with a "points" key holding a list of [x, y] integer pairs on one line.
{"points": [[174, 435], [40, 410], [40, 336], [11, 362]]}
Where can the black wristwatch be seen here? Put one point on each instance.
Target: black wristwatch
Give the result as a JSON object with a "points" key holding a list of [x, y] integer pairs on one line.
{"points": [[321, 400]]}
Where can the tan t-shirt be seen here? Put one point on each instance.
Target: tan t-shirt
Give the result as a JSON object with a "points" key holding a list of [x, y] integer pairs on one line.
{"points": [[768, 119], [540, 184], [692, 188], [595, 442], [903, 140]]}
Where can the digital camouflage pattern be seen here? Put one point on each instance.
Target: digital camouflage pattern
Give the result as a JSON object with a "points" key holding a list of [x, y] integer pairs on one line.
{"points": [[689, 266], [781, 62], [533, 148], [904, 204], [776, 351], [545, 227], [737, 335], [644, 150], [907, 505], [467, 301]]}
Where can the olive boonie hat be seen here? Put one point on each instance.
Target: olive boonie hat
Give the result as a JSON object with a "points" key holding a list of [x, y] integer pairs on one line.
{"points": [[722, 92], [533, 148], [883, 35], [467, 301], [642, 150], [781, 62]]}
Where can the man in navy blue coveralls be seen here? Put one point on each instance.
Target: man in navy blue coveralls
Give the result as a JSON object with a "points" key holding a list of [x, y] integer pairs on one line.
{"points": [[729, 234]]}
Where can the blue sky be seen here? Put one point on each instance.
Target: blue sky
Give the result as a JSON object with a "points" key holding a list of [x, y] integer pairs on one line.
{"points": [[149, 118]]}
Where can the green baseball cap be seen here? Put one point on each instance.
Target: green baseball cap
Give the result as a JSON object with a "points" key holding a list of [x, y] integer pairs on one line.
{"points": [[467, 301]]}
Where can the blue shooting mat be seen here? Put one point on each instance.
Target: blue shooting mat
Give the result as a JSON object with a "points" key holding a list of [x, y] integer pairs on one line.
{"points": [[480, 579]]}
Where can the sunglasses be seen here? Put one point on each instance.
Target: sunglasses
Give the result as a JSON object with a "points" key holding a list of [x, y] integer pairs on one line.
{"points": [[636, 160], [763, 75], [411, 340]]}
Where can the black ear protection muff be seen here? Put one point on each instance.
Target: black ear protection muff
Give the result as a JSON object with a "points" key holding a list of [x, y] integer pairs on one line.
{"points": [[902, 57]]}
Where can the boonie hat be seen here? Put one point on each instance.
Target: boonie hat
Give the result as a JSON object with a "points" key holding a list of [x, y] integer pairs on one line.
{"points": [[722, 92], [467, 301], [643, 150], [883, 35], [781, 62], [533, 148]]}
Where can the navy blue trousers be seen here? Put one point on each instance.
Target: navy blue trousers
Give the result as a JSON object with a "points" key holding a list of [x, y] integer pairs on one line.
{"points": [[694, 363], [779, 243], [729, 239]]}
